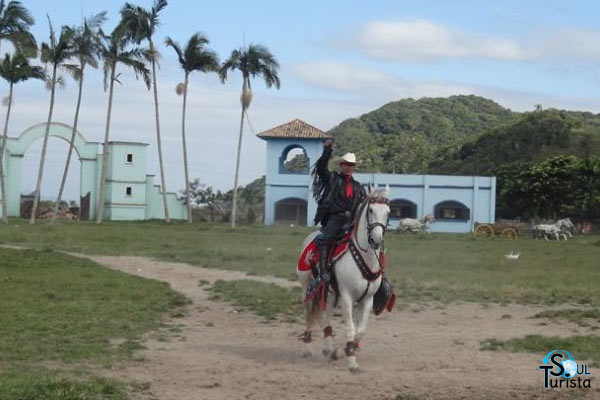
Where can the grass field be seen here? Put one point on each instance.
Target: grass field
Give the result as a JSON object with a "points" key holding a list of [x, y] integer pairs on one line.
{"points": [[61, 314], [441, 267]]}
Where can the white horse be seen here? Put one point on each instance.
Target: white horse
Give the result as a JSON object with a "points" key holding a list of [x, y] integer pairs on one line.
{"points": [[416, 225], [562, 228], [566, 226], [354, 289]]}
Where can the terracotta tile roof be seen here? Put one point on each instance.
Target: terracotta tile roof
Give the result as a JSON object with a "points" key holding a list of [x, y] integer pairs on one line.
{"points": [[294, 129]]}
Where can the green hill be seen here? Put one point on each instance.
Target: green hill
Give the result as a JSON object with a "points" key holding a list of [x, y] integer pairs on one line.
{"points": [[533, 137], [462, 135], [407, 135]]}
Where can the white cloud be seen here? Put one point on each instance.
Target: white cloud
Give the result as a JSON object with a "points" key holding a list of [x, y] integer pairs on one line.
{"points": [[338, 75], [571, 44], [375, 88], [370, 85], [422, 40]]}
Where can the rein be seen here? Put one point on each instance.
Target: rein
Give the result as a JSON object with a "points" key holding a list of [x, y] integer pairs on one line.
{"points": [[370, 226], [356, 249]]}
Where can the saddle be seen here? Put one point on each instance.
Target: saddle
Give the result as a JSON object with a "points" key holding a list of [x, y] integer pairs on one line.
{"points": [[309, 259]]}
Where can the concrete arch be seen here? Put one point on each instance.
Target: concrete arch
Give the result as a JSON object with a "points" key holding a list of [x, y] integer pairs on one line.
{"points": [[403, 208], [88, 156], [449, 210], [284, 155], [291, 210], [85, 150]]}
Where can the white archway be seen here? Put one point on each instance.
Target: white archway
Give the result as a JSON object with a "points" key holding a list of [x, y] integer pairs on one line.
{"points": [[88, 156]]}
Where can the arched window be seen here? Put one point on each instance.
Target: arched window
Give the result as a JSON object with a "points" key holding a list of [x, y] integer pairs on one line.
{"points": [[401, 208], [452, 211], [293, 160], [290, 211]]}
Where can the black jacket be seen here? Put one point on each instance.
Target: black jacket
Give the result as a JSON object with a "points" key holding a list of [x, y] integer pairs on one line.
{"points": [[332, 194]]}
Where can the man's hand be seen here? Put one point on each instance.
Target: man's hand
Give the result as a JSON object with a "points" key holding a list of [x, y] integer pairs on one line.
{"points": [[328, 144]]}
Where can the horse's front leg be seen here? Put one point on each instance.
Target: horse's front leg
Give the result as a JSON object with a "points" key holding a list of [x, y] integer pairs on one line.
{"points": [[362, 317], [351, 345]]}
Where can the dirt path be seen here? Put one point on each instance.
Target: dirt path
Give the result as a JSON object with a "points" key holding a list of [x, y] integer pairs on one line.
{"points": [[425, 350]]}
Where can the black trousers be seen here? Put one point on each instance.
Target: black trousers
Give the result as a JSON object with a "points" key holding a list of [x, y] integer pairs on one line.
{"points": [[332, 228]]}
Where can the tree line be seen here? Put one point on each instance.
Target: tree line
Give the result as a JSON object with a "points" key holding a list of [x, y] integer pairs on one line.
{"points": [[131, 44]]}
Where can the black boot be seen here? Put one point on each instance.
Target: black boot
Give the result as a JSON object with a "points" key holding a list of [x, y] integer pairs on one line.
{"points": [[323, 265], [322, 278]]}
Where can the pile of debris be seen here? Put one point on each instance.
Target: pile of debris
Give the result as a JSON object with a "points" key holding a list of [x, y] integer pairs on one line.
{"points": [[62, 214], [46, 209]]}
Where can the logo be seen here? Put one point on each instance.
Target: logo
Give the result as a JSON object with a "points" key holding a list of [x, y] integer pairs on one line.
{"points": [[561, 371]]}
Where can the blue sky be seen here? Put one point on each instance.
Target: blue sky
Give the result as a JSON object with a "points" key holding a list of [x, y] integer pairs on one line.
{"points": [[339, 59]]}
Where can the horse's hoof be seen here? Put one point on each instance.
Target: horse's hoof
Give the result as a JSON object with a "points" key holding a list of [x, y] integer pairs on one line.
{"points": [[326, 353], [354, 369], [307, 353]]}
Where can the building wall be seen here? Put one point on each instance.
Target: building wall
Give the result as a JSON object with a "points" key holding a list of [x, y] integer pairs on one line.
{"points": [[478, 194], [123, 175]]}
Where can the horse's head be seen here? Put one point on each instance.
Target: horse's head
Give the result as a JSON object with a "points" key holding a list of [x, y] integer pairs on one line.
{"points": [[428, 218], [378, 215]]}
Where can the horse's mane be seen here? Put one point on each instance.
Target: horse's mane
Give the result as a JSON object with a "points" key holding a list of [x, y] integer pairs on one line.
{"points": [[381, 192]]}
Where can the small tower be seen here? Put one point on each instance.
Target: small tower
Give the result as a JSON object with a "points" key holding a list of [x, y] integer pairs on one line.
{"points": [[292, 149]]}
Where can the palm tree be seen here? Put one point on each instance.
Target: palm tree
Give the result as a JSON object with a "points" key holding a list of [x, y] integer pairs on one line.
{"points": [[15, 21], [55, 53], [86, 48], [195, 57], [253, 61], [114, 52], [13, 69], [140, 25]]}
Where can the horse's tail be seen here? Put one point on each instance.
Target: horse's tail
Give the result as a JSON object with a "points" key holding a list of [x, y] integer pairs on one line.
{"points": [[314, 312]]}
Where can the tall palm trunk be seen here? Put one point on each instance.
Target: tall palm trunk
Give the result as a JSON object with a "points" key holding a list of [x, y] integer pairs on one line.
{"points": [[38, 187], [245, 99], [100, 201], [71, 146], [160, 158], [2, 147], [185, 162]]}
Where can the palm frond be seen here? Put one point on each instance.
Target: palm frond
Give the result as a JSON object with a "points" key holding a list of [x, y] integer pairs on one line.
{"points": [[232, 63], [136, 23], [139, 68], [173, 44], [157, 7], [76, 71], [253, 61], [24, 42], [95, 21], [15, 12], [16, 69], [52, 35]]}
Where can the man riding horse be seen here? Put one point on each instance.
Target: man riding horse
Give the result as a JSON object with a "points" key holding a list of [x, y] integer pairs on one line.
{"points": [[338, 196]]}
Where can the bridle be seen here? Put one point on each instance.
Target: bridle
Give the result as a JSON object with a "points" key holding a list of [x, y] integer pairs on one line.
{"points": [[373, 225]]}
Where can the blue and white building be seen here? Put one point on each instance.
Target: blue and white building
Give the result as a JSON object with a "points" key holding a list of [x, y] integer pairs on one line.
{"points": [[457, 202]]}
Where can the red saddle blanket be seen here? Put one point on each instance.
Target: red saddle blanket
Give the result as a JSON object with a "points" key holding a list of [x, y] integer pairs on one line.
{"points": [[310, 255]]}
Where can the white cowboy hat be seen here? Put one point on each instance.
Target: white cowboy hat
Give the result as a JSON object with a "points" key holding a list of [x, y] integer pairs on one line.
{"points": [[349, 158]]}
